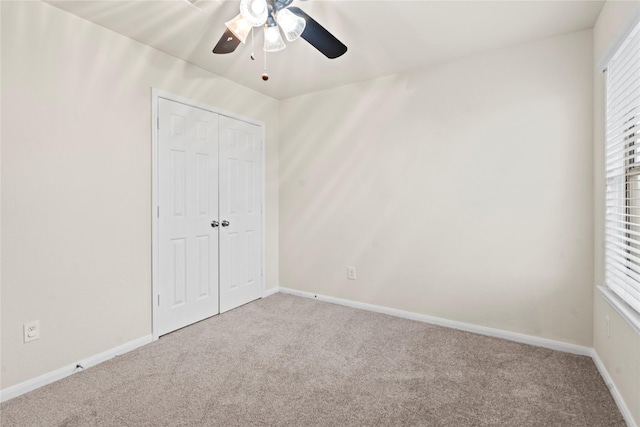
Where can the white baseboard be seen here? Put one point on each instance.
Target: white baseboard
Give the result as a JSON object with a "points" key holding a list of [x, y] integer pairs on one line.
{"points": [[617, 397], [58, 374], [468, 327], [269, 292]]}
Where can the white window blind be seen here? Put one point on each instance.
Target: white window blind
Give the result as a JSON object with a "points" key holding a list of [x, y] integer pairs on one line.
{"points": [[622, 160]]}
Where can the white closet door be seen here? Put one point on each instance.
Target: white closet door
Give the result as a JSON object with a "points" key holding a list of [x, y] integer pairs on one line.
{"points": [[188, 203], [240, 213]]}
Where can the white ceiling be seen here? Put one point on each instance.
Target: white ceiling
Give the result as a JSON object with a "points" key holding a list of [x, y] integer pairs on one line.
{"points": [[383, 37]]}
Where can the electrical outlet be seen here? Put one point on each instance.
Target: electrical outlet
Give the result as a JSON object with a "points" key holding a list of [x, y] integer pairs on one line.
{"points": [[351, 273], [31, 331], [606, 326]]}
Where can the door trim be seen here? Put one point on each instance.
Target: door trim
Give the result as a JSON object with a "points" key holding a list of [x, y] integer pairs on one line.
{"points": [[156, 95]]}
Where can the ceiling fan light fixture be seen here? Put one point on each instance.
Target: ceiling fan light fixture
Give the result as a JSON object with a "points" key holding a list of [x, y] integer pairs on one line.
{"points": [[240, 27], [291, 24], [272, 39], [254, 11]]}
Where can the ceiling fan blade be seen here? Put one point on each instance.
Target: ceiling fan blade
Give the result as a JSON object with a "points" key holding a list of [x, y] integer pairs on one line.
{"points": [[319, 37], [227, 43]]}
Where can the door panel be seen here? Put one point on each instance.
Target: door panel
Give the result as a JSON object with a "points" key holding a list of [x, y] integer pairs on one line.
{"points": [[188, 203], [240, 205]]}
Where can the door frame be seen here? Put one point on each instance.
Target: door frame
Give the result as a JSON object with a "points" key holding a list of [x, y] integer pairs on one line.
{"points": [[156, 95]]}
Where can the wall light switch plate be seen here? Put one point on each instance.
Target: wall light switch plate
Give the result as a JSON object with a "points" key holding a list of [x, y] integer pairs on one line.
{"points": [[31, 331], [351, 273]]}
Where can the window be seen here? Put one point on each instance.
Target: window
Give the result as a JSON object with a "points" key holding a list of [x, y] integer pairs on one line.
{"points": [[622, 160]]}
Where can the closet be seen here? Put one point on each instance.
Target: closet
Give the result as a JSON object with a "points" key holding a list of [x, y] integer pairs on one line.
{"points": [[208, 226]]}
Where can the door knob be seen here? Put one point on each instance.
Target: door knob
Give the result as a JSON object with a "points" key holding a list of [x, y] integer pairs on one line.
{"points": [[214, 224], [225, 223]]}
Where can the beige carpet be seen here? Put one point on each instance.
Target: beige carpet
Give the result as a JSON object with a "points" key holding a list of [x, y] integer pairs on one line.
{"points": [[285, 361]]}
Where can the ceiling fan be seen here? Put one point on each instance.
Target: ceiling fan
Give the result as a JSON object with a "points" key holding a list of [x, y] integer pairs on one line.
{"points": [[274, 15]]}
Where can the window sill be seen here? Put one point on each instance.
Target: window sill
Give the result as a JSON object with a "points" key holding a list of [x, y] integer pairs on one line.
{"points": [[629, 314]]}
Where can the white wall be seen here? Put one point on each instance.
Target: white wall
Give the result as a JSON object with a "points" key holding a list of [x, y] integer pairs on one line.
{"points": [[76, 182], [462, 191], [620, 351]]}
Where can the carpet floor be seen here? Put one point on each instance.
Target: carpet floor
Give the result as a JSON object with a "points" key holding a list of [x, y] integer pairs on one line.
{"points": [[291, 361]]}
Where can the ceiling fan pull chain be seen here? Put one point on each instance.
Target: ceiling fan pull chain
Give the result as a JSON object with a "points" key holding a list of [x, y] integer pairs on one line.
{"points": [[252, 57], [265, 76]]}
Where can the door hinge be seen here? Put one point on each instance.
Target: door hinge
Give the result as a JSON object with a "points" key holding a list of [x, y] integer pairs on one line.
{"points": [[158, 122], [158, 300], [158, 211]]}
